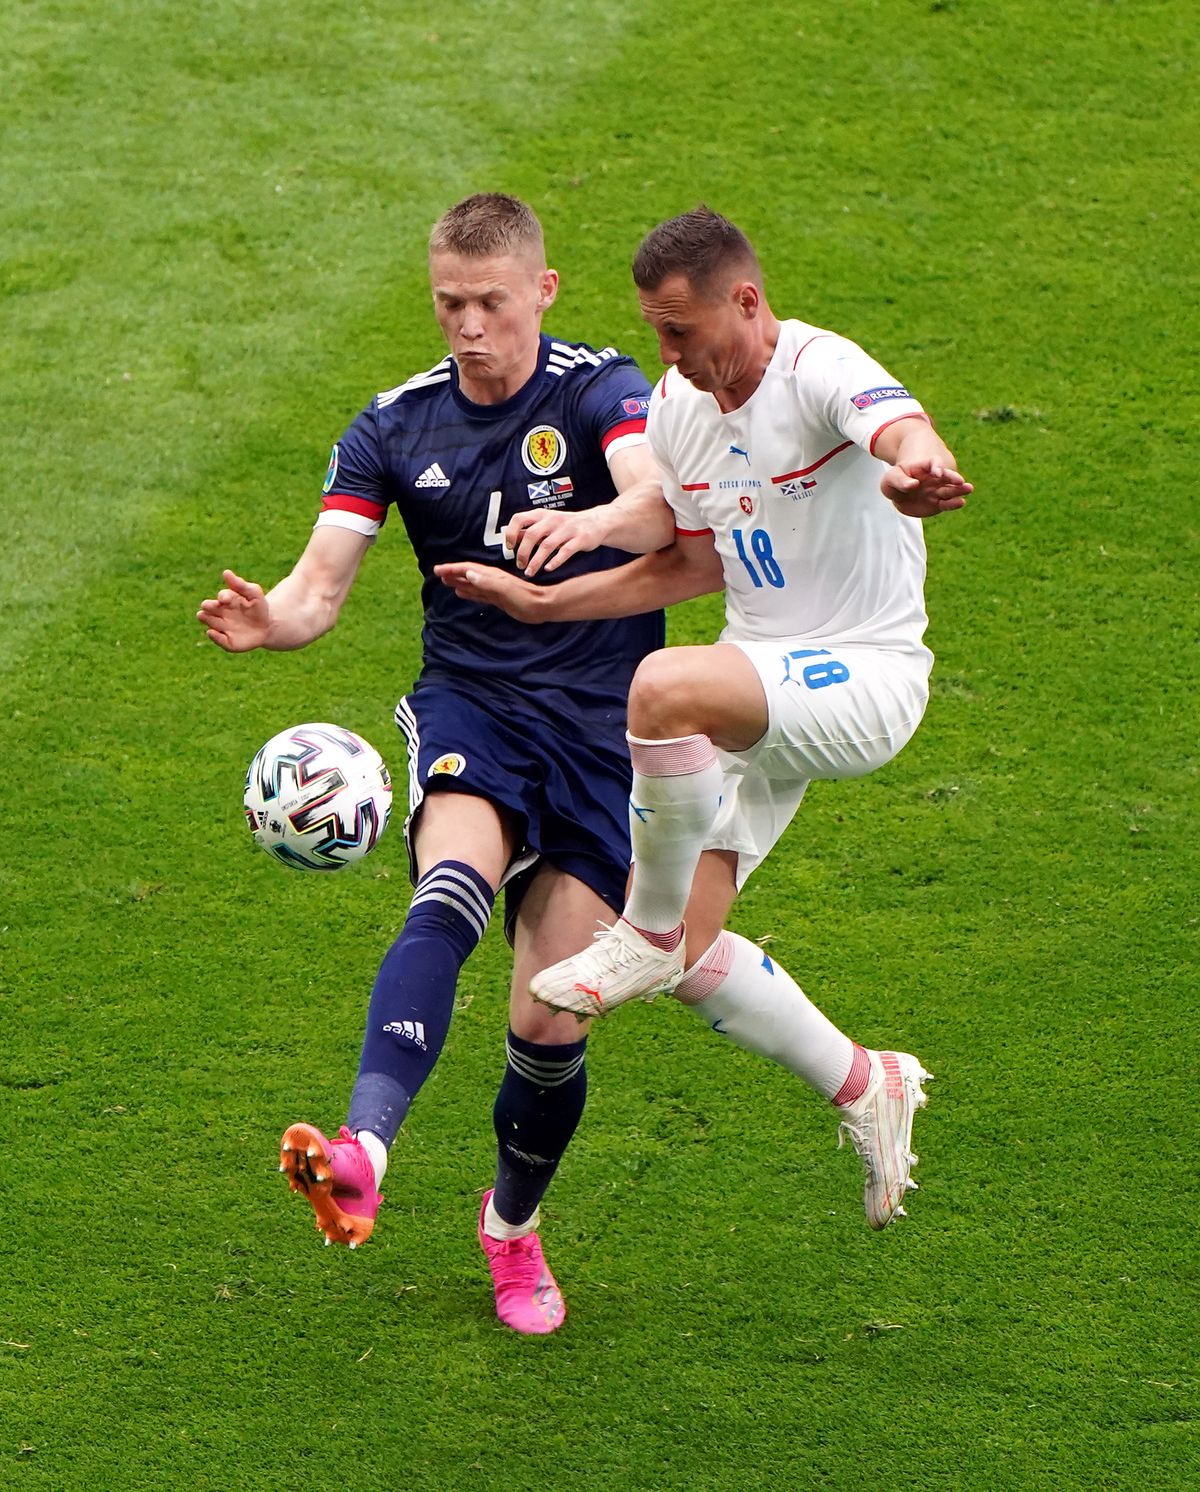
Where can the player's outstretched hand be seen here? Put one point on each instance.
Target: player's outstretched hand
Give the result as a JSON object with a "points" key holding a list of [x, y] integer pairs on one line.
{"points": [[545, 538], [239, 617], [924, 488], [492, 587]]}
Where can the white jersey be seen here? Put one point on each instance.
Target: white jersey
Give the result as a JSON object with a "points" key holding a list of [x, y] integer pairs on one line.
{"points": [[789, 489]]}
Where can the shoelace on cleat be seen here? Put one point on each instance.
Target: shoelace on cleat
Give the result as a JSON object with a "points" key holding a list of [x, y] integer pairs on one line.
{"points": [[611, 946], [861, 1142]]}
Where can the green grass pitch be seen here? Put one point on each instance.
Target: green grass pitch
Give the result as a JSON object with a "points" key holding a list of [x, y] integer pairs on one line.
{"points": [[211, 238]]}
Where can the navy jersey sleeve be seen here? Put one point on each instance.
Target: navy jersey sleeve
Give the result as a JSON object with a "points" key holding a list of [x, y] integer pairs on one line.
{"points": [[355, 494], [614, 405]]}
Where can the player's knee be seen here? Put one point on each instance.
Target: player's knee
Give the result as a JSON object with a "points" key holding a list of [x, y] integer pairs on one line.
{"points": [[541, 1025], [666, 698]]}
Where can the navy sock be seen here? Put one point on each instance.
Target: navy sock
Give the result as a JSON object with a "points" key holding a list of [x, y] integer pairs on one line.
{"points": [[413, 997], [537, 1109]]}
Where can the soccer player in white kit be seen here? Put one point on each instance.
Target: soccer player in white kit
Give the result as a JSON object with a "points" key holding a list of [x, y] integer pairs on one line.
{"points": [[798, 470]]}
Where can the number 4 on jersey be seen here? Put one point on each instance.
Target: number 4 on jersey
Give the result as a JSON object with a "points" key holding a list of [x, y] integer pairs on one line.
{"points": [[492, 532]]}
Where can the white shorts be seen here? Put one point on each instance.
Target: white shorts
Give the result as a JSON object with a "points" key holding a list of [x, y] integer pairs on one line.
{"points": [[831, 712]]}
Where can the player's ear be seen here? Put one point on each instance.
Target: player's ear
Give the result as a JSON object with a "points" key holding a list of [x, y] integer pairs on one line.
{"points": [[748, 299], [547, 289]]}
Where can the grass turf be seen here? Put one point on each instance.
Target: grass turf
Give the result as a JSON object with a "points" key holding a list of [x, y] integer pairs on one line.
{"points": [[211, 257]]}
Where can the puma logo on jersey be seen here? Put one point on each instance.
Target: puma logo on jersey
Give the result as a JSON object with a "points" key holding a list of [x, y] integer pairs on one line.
{"points": [[432, 476]]}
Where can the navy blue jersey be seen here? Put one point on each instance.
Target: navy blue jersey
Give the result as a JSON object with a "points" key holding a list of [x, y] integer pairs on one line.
{"points": [[457, 471]]}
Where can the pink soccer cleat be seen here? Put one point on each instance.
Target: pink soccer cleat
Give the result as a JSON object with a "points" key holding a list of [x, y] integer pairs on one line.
{"points": [[527, 1297], [337, 1178]]}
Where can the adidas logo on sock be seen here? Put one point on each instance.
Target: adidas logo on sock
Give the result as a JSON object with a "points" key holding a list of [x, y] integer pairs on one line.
{"points": [[529, 1160], [412, 1031], [433, 476]]}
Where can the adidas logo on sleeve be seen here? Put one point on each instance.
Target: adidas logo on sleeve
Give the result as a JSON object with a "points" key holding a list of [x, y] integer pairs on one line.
{"points": [[433, 476]]}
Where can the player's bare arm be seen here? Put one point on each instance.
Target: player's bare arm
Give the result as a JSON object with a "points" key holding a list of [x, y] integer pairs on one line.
{"points": [[302, 607], [689, 567], [638, 519], [921, 479]]}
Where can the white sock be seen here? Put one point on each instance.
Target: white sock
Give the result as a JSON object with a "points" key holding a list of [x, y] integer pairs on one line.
{"points": [[745, 995], [376, 1152], [675, 796], [495, 1226]]}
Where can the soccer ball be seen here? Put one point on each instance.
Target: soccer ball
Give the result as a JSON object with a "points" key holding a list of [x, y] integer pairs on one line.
{"points": [[317, 797]]}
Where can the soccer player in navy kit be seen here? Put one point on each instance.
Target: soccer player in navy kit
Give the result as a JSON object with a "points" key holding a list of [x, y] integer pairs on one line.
{"points": [[518, 766]]}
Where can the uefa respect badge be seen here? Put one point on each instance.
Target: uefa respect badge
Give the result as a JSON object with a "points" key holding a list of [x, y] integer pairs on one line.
{"points": [[331, 474]]}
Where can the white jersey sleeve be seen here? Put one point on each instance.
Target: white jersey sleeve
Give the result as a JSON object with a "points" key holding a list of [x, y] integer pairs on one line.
{"points": [[689, 520], [847, 389]]}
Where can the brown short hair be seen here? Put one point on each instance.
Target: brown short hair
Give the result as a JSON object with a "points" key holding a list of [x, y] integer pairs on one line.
{"points": [[701, 245], [488, 223]]}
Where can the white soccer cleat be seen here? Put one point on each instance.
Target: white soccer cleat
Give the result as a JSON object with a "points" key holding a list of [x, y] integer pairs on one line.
{"points": [[879, 1125], [620, 965]]}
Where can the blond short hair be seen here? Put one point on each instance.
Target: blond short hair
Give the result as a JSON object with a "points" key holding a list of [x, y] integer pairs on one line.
{"points": [[488, 223]]}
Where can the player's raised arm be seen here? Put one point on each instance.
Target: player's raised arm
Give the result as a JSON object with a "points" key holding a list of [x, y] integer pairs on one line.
{"points": [[920, 480], [302, 607], [689, 567], [637, 519]]}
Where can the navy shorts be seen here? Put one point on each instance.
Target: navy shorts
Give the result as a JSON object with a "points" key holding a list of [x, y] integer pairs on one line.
{"points": [[567, 783]]}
